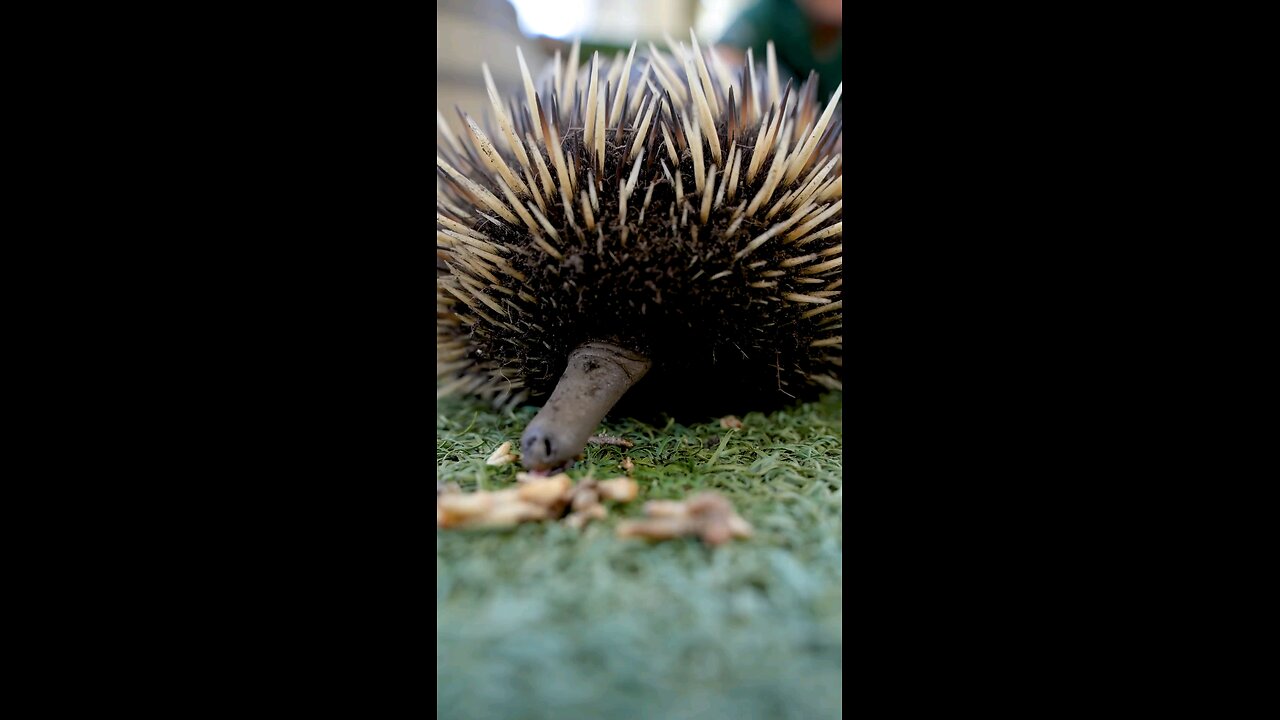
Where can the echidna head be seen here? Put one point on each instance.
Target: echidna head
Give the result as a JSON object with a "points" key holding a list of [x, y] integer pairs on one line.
{"points": [[683, 226]]}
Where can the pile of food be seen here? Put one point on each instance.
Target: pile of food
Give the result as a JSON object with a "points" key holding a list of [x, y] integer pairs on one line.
{"points": [[535, 498], [707, 515]]}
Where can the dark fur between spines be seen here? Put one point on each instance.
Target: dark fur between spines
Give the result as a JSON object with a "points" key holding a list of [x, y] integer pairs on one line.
{"points": [[739, 342]]}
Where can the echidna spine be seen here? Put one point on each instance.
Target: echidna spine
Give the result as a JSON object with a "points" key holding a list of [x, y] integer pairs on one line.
{"points": [[708, 249]]}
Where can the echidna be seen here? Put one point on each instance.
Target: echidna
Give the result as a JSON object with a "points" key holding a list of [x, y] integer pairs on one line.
{"points": [[682, 226]]}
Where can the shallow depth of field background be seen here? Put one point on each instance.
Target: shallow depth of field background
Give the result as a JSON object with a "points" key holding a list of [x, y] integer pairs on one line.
{"points": [[542, 621], [469, 32]]}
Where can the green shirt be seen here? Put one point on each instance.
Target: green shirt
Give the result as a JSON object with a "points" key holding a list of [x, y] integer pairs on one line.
{"points": [[792, 34]]}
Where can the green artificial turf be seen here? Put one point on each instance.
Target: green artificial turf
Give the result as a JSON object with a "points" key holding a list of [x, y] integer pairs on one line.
{"points": [[543, 621]]}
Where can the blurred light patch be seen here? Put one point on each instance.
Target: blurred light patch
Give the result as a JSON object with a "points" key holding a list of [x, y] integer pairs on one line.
{"points": [[553, 18], [714, 16]]}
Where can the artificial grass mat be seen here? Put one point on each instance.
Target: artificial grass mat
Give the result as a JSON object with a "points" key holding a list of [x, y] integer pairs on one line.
{"points": [[543, 621]]}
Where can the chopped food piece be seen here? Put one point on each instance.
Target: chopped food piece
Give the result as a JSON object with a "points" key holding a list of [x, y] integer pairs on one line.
{"points": [[502, 455], [660, 528], [707, 515], [585, 495], [510, 513], [546, 492], [730, 421], [707, 504], [619, 489], [524, 477], [739, 527], [457, 508], [578, 518], [583, 499], [503, 507], [665, 508], [535, 498], [715, 531]]}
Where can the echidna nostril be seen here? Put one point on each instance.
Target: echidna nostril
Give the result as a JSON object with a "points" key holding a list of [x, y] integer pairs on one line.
{"points": [[530, 444], [539, 447]]}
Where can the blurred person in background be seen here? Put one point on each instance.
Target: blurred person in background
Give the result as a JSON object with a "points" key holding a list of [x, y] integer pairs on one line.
{"points": [[805, 35]]}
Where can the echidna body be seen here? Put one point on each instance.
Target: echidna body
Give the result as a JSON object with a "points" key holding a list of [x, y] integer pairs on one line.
{"points": [[680, 228]]}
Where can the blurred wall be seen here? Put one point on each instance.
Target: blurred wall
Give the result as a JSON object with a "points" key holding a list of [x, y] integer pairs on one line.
{"points": [[622, 21], [469, 32]]}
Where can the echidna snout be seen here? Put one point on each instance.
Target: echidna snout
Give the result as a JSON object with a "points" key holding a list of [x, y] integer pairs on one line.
{"points": [[597, 375]]}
